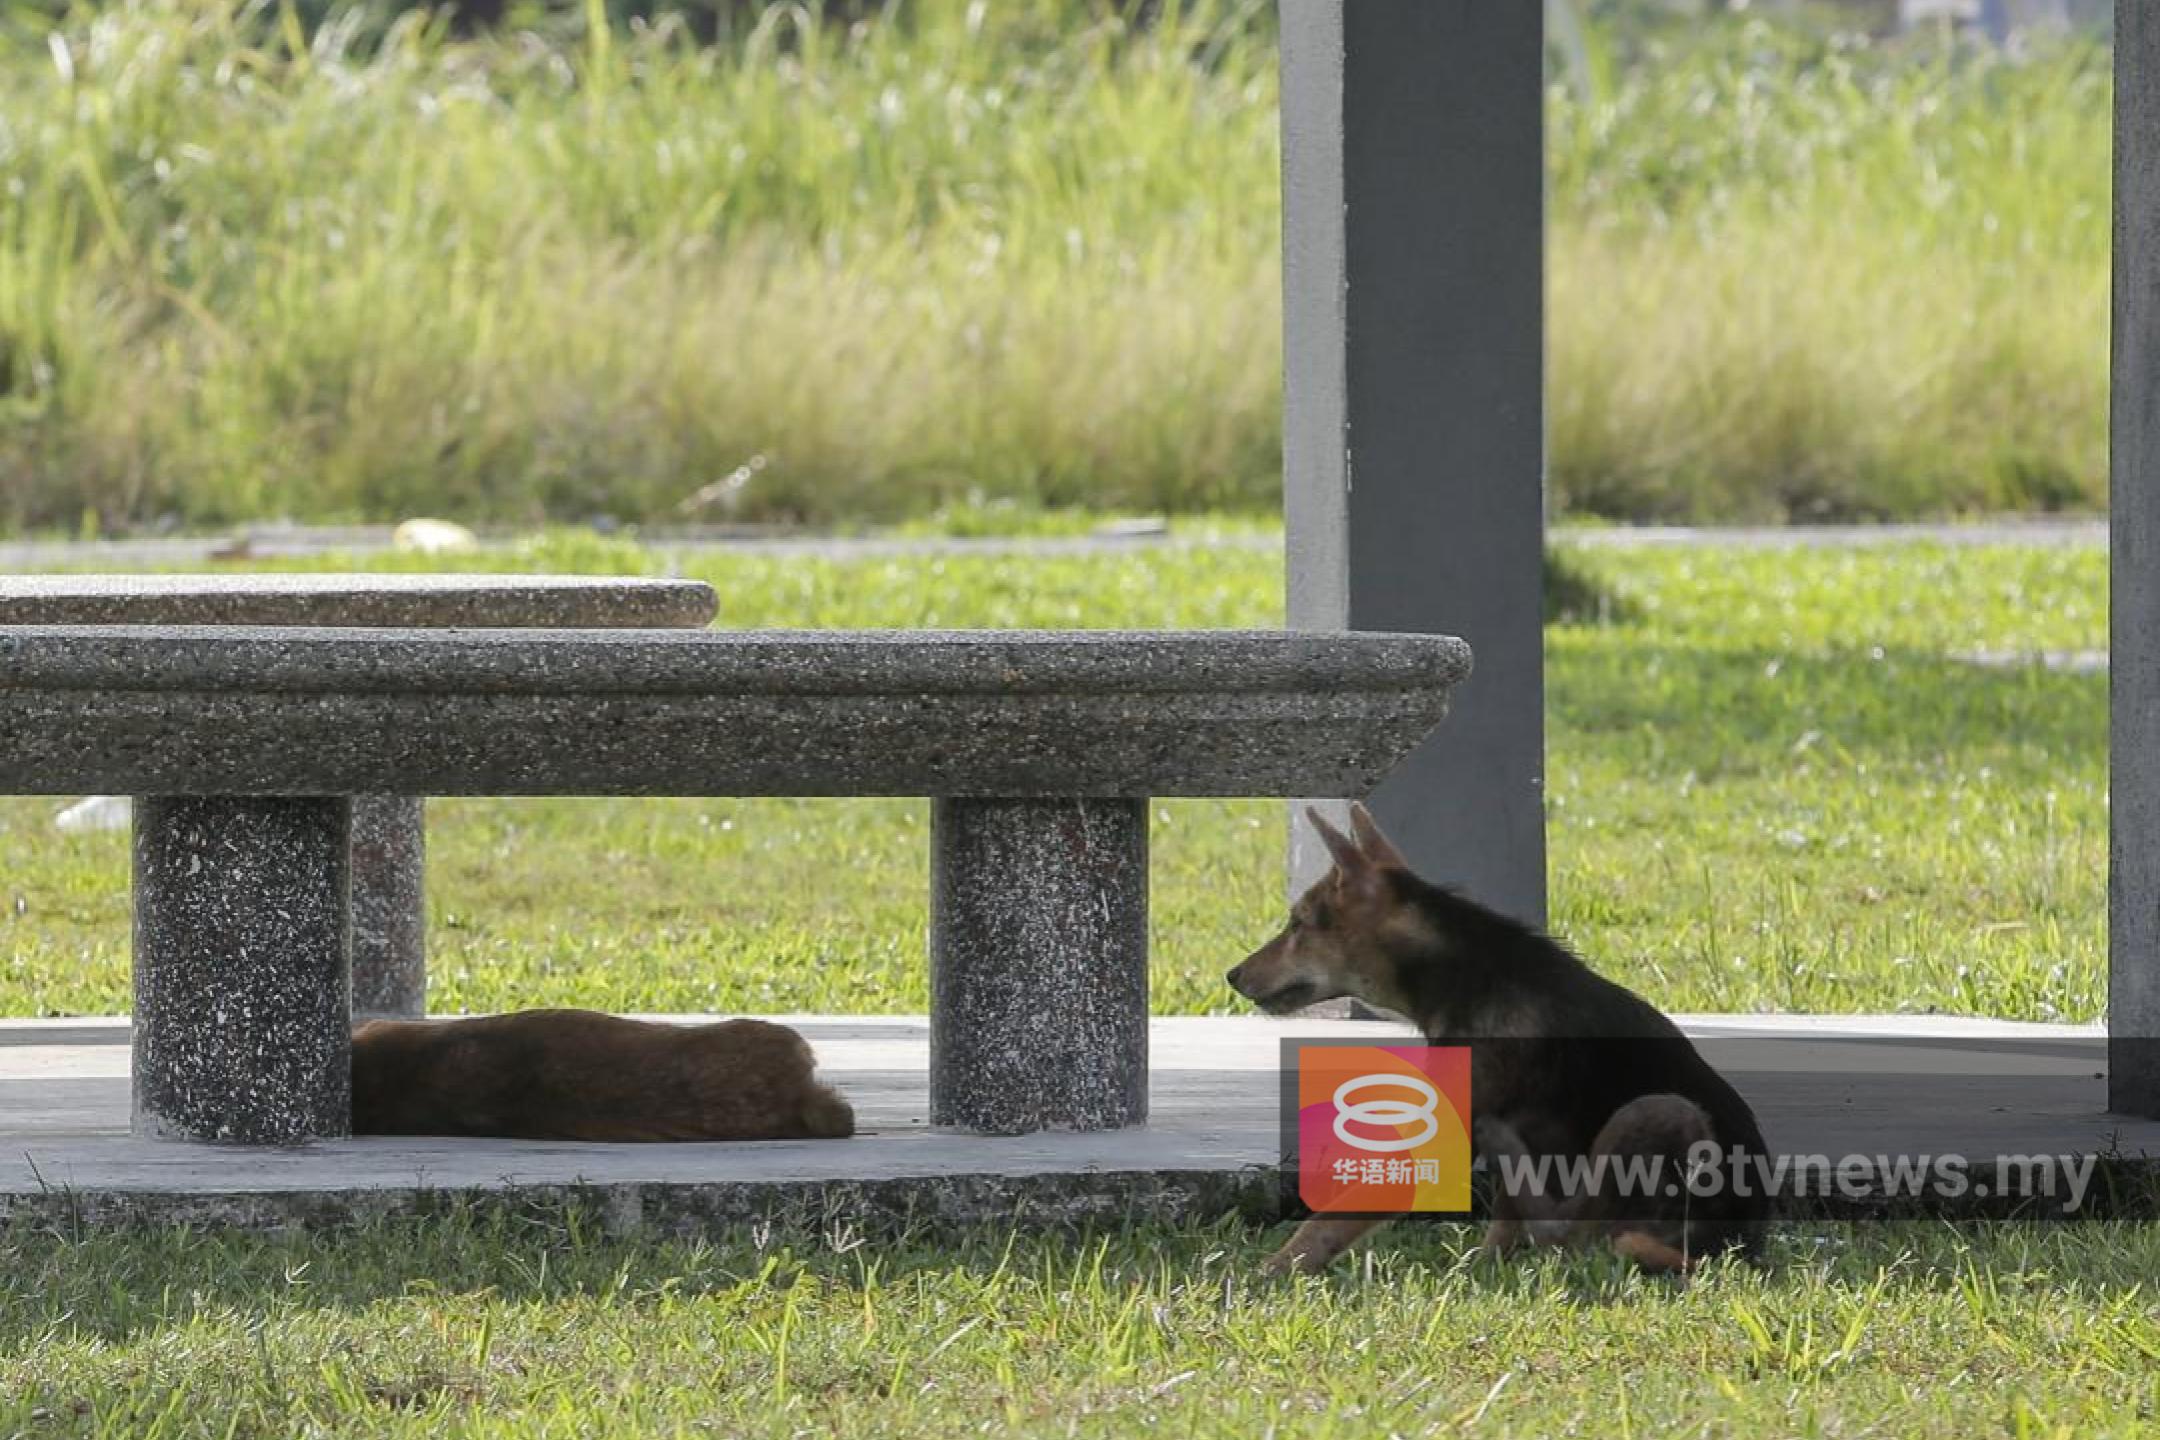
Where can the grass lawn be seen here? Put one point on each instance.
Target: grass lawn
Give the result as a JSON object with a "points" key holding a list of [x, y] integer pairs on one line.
{"points": [[1771, 788], [543, 1327]]}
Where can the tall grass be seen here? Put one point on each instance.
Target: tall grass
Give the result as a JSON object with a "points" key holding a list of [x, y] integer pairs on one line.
{"points": [[1796, 274], [982, 248], [1022, 248]]}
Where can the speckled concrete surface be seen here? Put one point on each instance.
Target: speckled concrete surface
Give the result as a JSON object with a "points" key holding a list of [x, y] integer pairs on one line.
{"points": [[389, 907], [389, 946], [1038, 964], [1040, 956], [1829, 1084], [240, 969], [1062, 734], [556, 602], [518, 712]]}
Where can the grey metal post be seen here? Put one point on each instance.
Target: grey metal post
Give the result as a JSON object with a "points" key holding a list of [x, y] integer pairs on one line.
{"points": [[1038, 964], [1413, 427], [241, 942], [2134, 565]]}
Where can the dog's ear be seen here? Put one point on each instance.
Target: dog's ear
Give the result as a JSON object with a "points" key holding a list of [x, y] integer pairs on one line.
{"points": [[1348, 858], [1377, 847]]}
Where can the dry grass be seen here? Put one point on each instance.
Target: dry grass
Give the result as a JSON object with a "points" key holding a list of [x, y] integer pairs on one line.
{"points": [[1024, 251]]}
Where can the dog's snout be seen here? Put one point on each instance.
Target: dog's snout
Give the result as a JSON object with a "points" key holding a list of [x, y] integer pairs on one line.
{"points": [[1232, 975]]}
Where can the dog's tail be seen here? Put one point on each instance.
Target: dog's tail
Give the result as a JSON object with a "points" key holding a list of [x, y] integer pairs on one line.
{"points": [[825, 1115]]}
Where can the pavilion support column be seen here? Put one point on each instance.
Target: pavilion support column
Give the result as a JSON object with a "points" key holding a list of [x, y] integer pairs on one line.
{"points": [[2134, 563], [1413, 434]]}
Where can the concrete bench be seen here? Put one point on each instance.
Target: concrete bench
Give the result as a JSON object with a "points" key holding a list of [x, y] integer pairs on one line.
{"points": [[389, 934], [1039, 751]]}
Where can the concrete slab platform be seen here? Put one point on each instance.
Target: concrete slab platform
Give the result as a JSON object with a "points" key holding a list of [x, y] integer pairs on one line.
{"points": [[1833, 1086]]}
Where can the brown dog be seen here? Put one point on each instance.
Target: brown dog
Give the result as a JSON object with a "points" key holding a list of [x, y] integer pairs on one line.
{"points": [[1565, 1066], [581, 1075]]}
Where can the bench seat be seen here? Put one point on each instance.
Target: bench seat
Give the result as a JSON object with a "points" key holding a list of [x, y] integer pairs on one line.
{"points": [[1039, 750], [451, 712]]}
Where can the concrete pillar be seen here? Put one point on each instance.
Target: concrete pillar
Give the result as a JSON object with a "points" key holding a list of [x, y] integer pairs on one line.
{"points": [[1413, 427], [2134, 564], [241, 1003], [1038, 964], [389, 908]]}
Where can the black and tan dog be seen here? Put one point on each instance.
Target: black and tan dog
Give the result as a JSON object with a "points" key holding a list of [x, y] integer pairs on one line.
{"points": [[582, 1075], [1573, 1067]]}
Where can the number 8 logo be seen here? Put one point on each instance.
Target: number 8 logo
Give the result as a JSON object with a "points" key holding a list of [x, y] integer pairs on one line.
{"points": [[1386, 1112]]}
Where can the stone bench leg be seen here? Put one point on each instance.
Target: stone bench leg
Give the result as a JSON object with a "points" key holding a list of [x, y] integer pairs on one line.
{"points": [[1038, 964], [389, 908], [242, 1029]]}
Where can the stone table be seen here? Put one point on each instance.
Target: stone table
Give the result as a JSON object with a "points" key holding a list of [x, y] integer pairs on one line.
{"points": [[389, 944]]}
